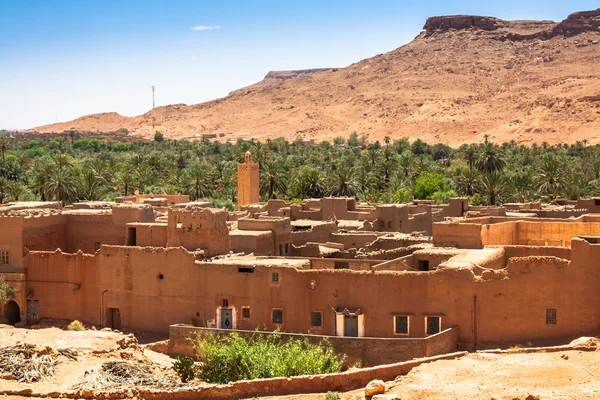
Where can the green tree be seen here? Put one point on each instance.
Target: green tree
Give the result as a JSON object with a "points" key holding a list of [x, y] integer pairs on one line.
{"points": [[427, 184]]}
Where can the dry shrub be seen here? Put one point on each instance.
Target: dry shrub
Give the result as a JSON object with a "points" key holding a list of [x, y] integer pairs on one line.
{"points": [[76, 326]]}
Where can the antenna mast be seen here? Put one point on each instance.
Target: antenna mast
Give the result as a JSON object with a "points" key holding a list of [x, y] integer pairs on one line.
{"points": [[153, 111]]}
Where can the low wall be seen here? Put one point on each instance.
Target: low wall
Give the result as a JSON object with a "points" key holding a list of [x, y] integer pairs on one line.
{"points": [[364, 351], [343, 382]]}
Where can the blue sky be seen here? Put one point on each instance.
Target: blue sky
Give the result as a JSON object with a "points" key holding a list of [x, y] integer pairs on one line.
{"points": [[61, 59]]}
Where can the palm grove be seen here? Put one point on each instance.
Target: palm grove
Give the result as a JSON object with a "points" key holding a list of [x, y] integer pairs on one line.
{"points": [[71, 169]]}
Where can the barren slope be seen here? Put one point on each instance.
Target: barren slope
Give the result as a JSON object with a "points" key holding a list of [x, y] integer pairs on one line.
{"points": [[461, 78]]}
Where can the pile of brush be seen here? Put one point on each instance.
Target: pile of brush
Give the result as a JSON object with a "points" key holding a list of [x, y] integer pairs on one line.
{"points": [[125, 375], [28, 362]]}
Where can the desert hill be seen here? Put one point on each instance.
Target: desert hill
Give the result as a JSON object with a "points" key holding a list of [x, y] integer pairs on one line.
{"points": [[462, 77]]}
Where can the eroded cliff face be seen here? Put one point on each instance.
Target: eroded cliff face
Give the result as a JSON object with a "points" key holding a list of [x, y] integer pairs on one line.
{"points": [[574, 24], [280, 76]]}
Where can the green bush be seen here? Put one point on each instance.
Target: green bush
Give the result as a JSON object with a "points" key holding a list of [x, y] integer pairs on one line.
{"points": [[332, 396], [6, 291], [233, 357], [427, 184], [123, 130], [184, 367]]}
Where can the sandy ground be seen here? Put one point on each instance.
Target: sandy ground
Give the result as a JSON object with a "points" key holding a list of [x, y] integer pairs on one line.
{"points": [[551, 375]]}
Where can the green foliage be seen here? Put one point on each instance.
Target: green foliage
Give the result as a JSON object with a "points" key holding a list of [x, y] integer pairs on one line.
{"points": [[332, 396], [76, 326], [234, 357], [223, 203], [427, 184], [6, 291], [158, 136], [123, 130], [185, 368]]}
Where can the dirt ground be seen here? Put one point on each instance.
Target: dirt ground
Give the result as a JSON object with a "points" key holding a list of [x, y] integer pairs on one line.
{"points": [[548, 375]]}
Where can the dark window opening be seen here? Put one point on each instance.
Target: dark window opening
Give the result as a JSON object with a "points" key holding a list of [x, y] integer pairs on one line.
{"points": [[246, 270], [423, 265], [300, 228], [401, 325], [597, 202], [4, 259], [316, 318], [225, 303], [280, 249], [287, 248], [341, 265], [433, 325], [246, 312], [277, 316], [551, 316], [131, 238], [197, 314], [161, 276], [275, 277]]}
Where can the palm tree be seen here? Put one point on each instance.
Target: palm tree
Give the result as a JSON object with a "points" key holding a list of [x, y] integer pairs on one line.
{"points": [[470, 155], [272, 179], [198, 182], [466, 182], [488, 158], [550, 175], [343, 182], [310, 182], [4, 146], [492, 185], [61, 185], [405, 163], [575, 186]]}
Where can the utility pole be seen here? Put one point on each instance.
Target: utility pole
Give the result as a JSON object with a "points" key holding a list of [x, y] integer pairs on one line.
{"points": [[153, 111]]}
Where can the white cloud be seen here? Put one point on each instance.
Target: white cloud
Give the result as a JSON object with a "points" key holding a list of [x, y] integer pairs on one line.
{"points": [[205, 27]]}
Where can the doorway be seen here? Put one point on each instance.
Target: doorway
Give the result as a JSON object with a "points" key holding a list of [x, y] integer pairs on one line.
{"points": [[114, 318], [226, 318], [12, 313], [33, 312], [351, 326]]}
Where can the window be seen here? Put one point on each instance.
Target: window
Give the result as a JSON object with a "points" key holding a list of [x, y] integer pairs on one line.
{"points": [[316, 318], [401, 325], [551, 316], [280, 249], [225, 303], [423, 265], [246, 270], [246, 312], [433, 325], [340, 265], [275, 277], [287, 248], [4, 260], [277, 316]]}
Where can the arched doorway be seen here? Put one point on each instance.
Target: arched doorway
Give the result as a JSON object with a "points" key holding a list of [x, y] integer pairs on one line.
{"points": [[12, 313]]}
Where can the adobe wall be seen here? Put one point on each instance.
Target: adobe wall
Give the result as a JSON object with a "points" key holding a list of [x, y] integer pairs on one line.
{"points": [[317, 233], [41, 232], [146, 234], [199, 228], [497, 306], [280, 228], [453, 234], [366, 352], [354, 239], [502, 233], [87, 231], [554, 234], [261, 243]]}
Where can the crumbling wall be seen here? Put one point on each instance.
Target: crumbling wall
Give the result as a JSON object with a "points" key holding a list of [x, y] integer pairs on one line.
{"points": [[196, 228]]}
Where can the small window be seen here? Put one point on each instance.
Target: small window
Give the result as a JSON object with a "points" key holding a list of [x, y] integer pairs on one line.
{"points": [[246, 270], [280, 249], [340, 265], [401, 325], [390, 224], [246, 312], [551, 316], [287, 248], [4, 260], [225, 303], [433, 325], [277, 316], [316, 318], [423, 265], [275, 277]]}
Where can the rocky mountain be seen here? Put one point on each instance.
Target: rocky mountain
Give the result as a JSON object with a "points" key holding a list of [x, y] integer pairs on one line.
{"points": [[461, 78]]}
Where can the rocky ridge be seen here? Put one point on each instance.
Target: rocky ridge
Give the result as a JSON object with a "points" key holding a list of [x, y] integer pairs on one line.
{"points": [[462, 78]]}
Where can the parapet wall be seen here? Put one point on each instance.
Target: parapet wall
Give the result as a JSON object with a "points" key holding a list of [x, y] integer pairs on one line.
{"points": [[366, 352]]}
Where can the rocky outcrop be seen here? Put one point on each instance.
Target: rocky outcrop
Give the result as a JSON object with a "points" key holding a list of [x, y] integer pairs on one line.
{"points": [[444, 23], [579, 22], [280, 76]]}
